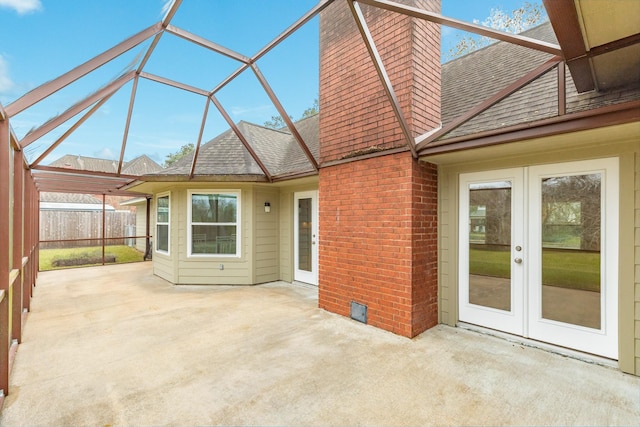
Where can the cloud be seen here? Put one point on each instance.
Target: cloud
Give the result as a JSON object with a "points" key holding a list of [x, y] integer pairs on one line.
{"points": [[245, 111], [105, 153], [6, 84], [22, 7], [446, 31]]}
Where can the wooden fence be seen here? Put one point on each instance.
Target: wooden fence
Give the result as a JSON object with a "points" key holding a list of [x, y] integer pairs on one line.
{"points": [[69, 225]]}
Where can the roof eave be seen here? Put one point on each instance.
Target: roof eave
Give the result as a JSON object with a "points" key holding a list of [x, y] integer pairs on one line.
{"points": [[627, 112]]}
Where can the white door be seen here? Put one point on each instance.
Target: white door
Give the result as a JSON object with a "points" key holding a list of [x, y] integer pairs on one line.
{"points": [[491, 283], [538, 253], [306, 237]]}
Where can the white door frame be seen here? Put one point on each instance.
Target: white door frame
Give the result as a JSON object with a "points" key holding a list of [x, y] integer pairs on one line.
{"points": [[508, 321], [604, 341], [525, 317], [301, 275]]}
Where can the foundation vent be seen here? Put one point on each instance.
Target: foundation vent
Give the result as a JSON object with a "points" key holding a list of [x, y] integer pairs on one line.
{"points": [[358, 312]]}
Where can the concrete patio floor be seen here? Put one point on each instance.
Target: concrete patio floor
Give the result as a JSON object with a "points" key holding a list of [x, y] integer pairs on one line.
{"points": [[114, 345]]}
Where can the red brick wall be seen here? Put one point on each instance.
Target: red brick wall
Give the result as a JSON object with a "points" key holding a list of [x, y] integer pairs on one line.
{"points": [[356, 114], [378, 241], [378, 224], [424, 255]]}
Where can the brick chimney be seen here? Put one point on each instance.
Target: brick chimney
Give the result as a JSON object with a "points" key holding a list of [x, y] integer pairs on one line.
{"points": [[378, 205]]}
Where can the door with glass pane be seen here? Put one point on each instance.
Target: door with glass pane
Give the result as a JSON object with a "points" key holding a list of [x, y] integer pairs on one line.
{"points": [[306, 237], [538, 253], [573, 285], [491, 282]]}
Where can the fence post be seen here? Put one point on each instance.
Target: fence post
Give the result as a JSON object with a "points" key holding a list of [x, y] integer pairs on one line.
{"points": [[104, 227]]}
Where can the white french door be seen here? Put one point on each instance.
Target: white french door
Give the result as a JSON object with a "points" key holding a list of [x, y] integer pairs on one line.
{"points": [[305, 237], [491, 280], [538, 253]]}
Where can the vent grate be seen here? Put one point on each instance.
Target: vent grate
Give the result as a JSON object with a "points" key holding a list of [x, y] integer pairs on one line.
{"points": [[358, 312]]}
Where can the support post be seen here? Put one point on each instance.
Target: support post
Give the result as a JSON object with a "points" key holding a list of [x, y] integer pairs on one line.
{"points": [[29, 275], [5, 253], [18, 209]]}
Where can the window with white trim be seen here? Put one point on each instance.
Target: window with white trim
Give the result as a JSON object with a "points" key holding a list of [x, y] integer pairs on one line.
{"points": [[162, 224], [214, 223]]}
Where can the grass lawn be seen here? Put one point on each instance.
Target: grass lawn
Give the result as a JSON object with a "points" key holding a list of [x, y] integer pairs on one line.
{"points": [[563, 268], [122, 253]]}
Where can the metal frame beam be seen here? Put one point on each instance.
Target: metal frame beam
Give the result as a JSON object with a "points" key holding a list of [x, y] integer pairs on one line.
{"points": [[566, 24], [75, 179], [41, 92], [75, 109], [5, 248], [197, 148], [18, 243], [466, 26], [163, 24], [322, 4], [134, 89], [274, 99], [562, 89], [382, 75], [488, 103], [242, 138], [71, 130], [173, 83], [201, 41], [44, 170]]}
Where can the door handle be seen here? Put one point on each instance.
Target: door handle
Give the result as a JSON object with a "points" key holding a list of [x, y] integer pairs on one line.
{"points": [[518, 260]]}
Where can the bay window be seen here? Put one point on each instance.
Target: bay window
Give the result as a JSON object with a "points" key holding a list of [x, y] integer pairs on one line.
{"points": [[213, 223]]}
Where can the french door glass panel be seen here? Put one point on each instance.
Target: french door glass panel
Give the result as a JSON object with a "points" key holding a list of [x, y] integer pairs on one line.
{"points": [[490, 282], [490, 244], [538, 253], [573, 283], [571, 229]]}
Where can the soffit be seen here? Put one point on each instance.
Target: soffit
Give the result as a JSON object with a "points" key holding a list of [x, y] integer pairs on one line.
{"points": [[599, 40], [605, 21]]}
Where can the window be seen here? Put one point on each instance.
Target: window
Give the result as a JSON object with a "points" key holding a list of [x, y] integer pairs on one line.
{"points": [[214, 223], [162, 224]]}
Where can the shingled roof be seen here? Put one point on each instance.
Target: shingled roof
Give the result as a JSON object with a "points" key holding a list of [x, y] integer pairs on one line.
{"points": [[139, 166], [69, 198], [71, 202], [466, 82], [473, 78], [225, 155]]}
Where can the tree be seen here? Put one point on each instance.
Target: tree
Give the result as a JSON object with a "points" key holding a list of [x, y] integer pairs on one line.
{"points": [[174, 157], [527, 16], [314, 109], [277, 122]]}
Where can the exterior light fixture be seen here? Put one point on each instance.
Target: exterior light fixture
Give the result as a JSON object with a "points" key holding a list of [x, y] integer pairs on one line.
{"points": [[267, 207]]}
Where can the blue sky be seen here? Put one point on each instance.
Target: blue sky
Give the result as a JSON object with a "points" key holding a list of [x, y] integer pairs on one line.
{"points": [[42, 39]]}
